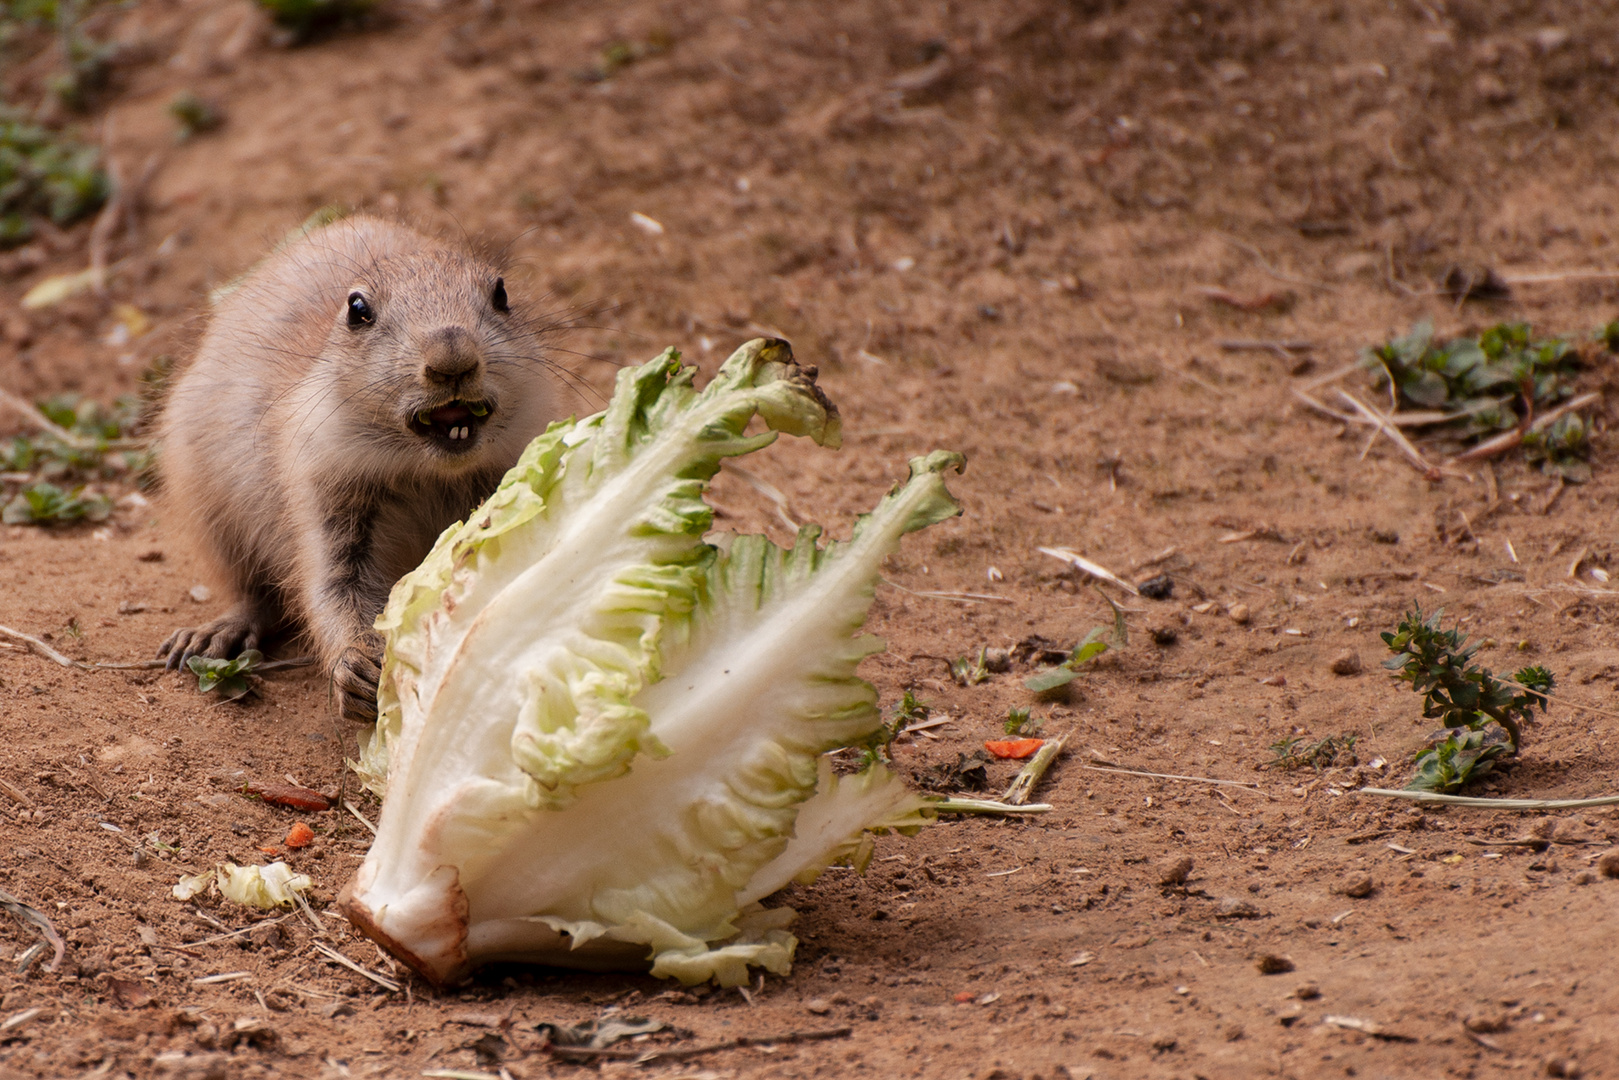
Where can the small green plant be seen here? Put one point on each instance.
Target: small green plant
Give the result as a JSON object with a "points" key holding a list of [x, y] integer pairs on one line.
{"points": [[1463, 696], [968, 671], [1019, 722], [44, 503], [1492, 383], [194, 115], [1608, 335], [44, 174], [1094, 644], [228, 676], [906, 712], [1288, 754], [101, 446], [1561, 449]]}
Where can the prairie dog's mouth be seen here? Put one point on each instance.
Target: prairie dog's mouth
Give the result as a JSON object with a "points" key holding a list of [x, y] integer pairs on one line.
{"points": [[453, 426]]}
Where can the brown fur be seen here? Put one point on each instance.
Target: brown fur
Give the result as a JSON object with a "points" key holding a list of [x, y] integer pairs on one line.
{"points": [[288, 450]]}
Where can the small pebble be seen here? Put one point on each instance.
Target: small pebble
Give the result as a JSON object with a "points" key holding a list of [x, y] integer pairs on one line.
{"points": [[1346, 663], [1564, 1067], [1165, 635], [1238, 613], [1161, 587], [997, 659], [1307, 992], [1175, 871], [1487, 1024], [1270, 964], [1584, 877], [201, 594], [818, 1006], [1357, 886], [1608, 863], [1230, 907]]}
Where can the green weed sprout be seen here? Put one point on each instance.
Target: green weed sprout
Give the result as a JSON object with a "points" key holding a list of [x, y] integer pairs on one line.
{"points": [[1018, 722], [1463, 696], [44, 503], [1094, 644], [1493, 381], [229, 676], [968, 671], [907, 711]]}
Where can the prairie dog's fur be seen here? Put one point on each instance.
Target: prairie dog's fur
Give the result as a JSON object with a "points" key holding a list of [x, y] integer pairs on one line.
{"points": [[314, 445]]}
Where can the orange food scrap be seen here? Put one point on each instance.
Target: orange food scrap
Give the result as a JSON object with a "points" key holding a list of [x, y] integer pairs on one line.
{"points": [[964, 997], [1013, 748], [299, 835]]}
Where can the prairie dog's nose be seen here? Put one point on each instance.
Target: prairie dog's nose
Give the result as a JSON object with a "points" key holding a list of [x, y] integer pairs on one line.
{"points": [[448, 354]]}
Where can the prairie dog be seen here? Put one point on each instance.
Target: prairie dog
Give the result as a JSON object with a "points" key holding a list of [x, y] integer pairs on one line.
{"points": [[356, 392]]}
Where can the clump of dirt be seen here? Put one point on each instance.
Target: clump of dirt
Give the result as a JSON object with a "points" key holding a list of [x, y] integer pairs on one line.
{"points": [[1093, 246]]}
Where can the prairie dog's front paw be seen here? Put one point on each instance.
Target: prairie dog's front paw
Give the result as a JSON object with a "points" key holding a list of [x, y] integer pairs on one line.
{"points": [[355, 677], [233, 633]]}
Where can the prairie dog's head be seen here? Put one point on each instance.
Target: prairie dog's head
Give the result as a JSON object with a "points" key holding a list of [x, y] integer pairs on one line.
{"points": [[432, 360]]}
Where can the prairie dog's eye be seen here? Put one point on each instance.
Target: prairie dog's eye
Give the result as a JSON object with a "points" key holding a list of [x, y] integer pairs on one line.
{"points": [[498, 296], [360, 313]]}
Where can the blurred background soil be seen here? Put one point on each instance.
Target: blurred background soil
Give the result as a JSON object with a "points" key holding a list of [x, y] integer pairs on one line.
{"points": [[1021, 230]]}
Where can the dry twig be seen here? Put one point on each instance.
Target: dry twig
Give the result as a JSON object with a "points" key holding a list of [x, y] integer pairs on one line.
{"points": [[381, 980], [640, 1056], [37, 646], [1508, 439], [1031, 773], [1487, 804], [1095, 570], [960, 597], [1422, 465], [31, 915], [1255, 788]]}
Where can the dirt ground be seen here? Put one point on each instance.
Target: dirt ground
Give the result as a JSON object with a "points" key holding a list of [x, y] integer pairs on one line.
{"points": [[991, 225]]}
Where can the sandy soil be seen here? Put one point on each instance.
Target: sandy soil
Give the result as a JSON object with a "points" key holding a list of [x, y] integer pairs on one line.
{"points": [[989, 224]]}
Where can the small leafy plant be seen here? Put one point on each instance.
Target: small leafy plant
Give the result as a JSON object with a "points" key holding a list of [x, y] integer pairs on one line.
{"points": [[227, 676], [1497, 379], [1465, 697], [44, 503], [968, 671], [101, 445], [195, 115], [907, 711], [1094, 644], [1608, 336], [1018, 722], [44, 174], [1561, 449], [1493, 383]]}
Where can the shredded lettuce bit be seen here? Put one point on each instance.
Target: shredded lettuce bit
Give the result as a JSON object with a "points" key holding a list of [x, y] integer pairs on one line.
{"points": [[273, 886], [600, 738]]}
